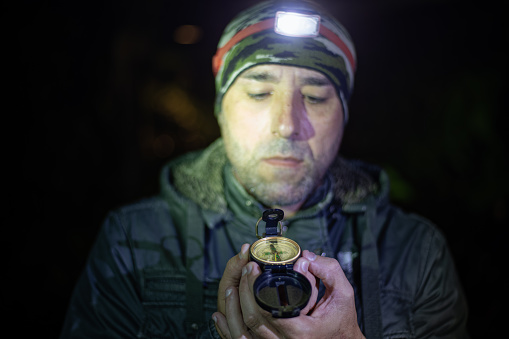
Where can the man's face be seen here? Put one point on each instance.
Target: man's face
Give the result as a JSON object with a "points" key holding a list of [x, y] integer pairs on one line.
{"points": [[282, 127]]}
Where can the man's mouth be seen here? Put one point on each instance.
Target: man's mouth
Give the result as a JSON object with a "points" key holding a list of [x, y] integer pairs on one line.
{"points": [[281, 161]]}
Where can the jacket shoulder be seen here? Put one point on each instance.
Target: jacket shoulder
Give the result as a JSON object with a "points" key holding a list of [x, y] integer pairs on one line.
{"points": [[419, 282], [150, 230], [402, 229], [149, 212]]}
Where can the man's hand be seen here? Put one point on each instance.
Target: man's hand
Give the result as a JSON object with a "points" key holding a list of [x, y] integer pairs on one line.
{"points": [[231, 275], [333, 316]]}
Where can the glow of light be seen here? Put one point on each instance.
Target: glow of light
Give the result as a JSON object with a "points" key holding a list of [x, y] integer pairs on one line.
{"points": [[297, 24], [187, 34]]}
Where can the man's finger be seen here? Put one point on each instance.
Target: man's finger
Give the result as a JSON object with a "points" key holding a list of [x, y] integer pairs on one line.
{"points": [[236, 326], [302, 266], [231, 275], [328, 270], [255, 318], [221, 325]]}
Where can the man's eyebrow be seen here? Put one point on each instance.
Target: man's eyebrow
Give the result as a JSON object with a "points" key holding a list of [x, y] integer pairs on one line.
{"points": [[315, 81], [260, 76], [270, 77]]}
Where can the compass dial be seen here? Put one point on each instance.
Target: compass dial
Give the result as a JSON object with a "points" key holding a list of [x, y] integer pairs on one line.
{"points": [[275, 251]]}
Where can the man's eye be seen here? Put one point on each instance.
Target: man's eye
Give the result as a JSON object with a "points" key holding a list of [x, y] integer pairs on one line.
{"points": [[314, 100], [259, 96]]}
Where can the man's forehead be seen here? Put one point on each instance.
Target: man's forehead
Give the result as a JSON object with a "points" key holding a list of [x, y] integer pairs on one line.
{"points": [[274, 73]]}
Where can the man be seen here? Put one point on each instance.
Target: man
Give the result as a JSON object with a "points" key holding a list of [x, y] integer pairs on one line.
{"points": [[168, 267]]}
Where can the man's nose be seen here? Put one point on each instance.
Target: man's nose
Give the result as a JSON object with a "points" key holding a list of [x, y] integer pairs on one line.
{"points": [[288, 113]]}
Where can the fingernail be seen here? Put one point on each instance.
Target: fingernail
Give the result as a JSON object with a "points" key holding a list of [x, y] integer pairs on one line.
{"points": [[243, 252], [303, 266], [311, 256], [214, 318], [228, 292], [246, 270]]}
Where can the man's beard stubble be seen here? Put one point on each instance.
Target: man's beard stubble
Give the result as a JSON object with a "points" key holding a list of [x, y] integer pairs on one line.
{"points": [[282, 188]]}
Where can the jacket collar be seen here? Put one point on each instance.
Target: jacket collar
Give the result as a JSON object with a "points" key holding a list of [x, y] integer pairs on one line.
{"points": [[200, 177]]}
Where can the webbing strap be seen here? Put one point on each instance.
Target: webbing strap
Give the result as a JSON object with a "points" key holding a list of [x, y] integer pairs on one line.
{"points": [[370, 286], [194, 232]]}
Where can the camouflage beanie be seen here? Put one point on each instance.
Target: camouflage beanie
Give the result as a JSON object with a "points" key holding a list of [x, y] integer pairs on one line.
{"points": [[250, 39]]}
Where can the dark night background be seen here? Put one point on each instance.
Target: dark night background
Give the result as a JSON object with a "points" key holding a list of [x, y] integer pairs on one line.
{"points": [[99, 95]]}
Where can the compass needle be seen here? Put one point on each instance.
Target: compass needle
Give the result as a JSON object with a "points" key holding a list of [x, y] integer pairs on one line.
{"points": [[275, 252]]}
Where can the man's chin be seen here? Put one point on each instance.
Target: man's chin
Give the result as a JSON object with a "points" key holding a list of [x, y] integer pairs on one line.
{"points": [[277, 186], [281, 193], [286, 175], [279, 199]]}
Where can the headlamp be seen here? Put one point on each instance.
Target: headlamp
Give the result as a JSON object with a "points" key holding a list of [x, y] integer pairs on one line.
{"points": [[297, 24]]}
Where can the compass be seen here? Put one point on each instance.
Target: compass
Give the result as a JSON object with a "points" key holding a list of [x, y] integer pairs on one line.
{"points": [[275, 251], [279, 289]]}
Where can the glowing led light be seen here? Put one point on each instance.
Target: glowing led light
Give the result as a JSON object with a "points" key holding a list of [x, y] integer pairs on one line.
{"points": [[297, 24]]}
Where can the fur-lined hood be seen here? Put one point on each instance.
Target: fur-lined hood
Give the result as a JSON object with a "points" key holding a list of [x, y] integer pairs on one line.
{"points": [[199, 177]]}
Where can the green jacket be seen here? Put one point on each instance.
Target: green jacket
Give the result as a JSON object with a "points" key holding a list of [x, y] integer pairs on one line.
{"points": [[154, 269]]}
